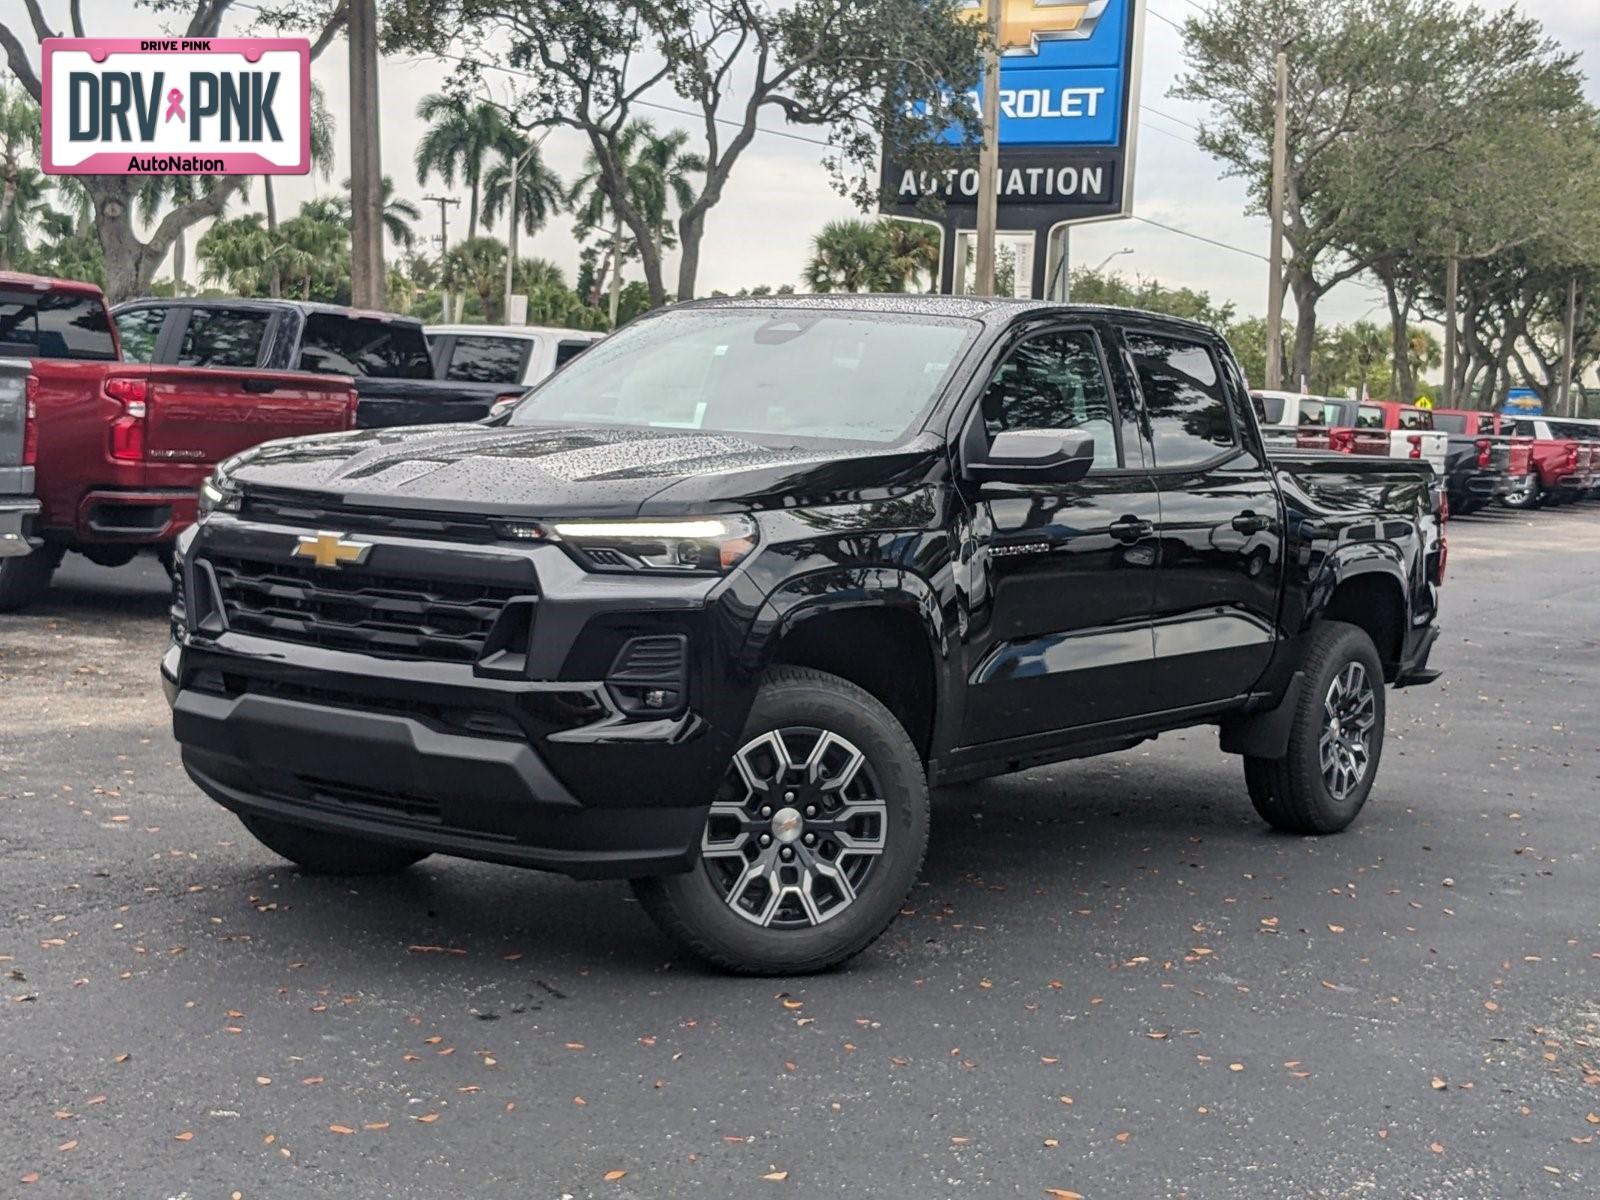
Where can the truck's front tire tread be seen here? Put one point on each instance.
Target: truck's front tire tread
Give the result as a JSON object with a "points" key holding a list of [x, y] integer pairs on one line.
{"points": [[319, 853], [684, 906], [1289, 793]]}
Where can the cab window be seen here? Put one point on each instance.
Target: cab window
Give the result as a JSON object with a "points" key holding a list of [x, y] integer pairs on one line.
{"points": [[1185, 400], [139, 329], [1055, 381], [1369, 416]]}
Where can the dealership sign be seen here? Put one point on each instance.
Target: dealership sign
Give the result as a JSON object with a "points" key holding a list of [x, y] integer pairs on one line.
{"points": [[177, 106], [1068, 99]]}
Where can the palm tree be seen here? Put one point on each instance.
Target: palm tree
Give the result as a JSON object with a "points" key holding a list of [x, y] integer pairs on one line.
{"points": [[154, 194], [399, 214], [322, 131], [848, 256], [539, 190], [460, 137], [913, 250], [657, 170], [478, 265], [241, 253], [534, 274], [20, 184]]}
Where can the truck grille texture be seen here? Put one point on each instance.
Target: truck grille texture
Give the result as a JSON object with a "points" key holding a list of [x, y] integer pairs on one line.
{"points": [[391, 617]]}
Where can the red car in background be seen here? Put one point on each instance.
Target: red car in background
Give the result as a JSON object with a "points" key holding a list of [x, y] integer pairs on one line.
{"points": [[1565, 462], [1483, 464], [105, 457]]}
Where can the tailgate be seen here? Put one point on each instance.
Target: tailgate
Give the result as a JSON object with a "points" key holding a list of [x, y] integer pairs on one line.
{"points": [[13, 422], [203, 414]]}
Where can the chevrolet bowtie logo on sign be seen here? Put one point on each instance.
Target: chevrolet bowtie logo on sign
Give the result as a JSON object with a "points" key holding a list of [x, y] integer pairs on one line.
{"points": [[331, 550], [1026, 23], [177, 106]]}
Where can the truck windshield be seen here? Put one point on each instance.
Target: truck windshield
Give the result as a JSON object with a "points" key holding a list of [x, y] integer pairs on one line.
{"points": [[851, 376], [55, 325]]}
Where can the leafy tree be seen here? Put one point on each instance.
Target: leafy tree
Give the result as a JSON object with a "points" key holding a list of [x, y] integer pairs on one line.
{"points": [[913, 249], [241, 253], [131, 262], [852, 70], [460, 138], [477, 266], [540, 192], [1092, 287], [322, 129], [399, 214], [21, 186], [1380, 93]]}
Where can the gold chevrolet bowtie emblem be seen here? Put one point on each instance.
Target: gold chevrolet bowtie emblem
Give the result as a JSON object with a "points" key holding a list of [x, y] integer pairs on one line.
{"points": [[1025, 23], [331, 550]]}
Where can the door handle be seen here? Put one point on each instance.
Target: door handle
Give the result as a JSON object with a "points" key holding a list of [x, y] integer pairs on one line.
{"points": [[1248, 522], [260, 385], [1130, 529]]}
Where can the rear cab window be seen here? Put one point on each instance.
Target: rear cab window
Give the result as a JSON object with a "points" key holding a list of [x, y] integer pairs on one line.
{"points": [[55, 324], [567, 351], [1185, 399], [336, 343], [1369, 416], [223, 337], [480, 358], [1415, 418]]}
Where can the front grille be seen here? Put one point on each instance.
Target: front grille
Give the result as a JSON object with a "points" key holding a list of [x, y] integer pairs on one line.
{"points": [[383, 615], [313, 512]]}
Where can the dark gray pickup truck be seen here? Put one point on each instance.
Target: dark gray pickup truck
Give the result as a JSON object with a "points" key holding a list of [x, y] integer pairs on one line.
{"points": [[386, 354], [717, 603]]}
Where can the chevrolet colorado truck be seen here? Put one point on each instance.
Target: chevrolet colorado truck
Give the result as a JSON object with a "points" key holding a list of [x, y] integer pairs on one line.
{"points": [[106, 457], [715, 605], [388, 355]]}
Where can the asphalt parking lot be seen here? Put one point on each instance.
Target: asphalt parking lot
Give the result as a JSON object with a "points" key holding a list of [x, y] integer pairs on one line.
{"points": [[1113, 981]]}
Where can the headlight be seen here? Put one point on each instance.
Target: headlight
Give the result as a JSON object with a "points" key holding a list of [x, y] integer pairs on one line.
{"points": [[710, 545], [218, 494]]}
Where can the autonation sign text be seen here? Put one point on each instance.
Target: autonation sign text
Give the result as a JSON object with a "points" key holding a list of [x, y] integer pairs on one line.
{"points": [[162, 106]]}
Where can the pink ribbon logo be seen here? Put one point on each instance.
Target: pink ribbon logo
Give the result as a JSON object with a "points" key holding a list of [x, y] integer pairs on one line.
{"points": [[175, 105]]}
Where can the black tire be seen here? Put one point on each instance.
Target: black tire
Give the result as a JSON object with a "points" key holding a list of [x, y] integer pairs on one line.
{"points": [[695, 908], [24, 578], [1292, 793], [1525, 497], [319, 853]]}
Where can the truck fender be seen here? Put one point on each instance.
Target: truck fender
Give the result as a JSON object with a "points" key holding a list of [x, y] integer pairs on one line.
{"points": [[1357, 559], [831, 590]]}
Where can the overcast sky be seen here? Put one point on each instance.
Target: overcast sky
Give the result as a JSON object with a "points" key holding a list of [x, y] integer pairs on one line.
{"points": [[779, 195]]}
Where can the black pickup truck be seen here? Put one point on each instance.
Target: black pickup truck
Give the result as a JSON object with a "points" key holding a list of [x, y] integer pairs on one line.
{"points": [[386, 354], [713, 607]]}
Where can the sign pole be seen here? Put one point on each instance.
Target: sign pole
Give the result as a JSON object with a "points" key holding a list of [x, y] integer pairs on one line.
{"points": [[1280, 157], [1452, 286], [989, 157]]}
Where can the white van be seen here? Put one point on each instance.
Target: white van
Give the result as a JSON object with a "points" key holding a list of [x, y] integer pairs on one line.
{"points": [[508, 354]]}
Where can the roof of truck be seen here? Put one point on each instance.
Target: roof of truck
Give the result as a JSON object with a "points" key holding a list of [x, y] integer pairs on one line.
{"points": [[554, 331], [43, 283], [982, 308], [304, 306]]}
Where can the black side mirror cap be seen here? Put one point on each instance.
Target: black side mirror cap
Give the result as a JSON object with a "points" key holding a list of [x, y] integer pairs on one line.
{"points": [[1035, 456]]}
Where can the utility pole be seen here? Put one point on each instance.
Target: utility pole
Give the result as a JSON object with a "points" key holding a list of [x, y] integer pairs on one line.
{"points": [[511, 235], [989, 157], [616, 268], [444, 243], [1452, 288], [368, 285], [1568, 400], [1280, 163]]}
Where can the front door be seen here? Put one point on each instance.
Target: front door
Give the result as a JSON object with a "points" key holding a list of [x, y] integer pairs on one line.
{"points": [[1060, 576], [1221, 544]]}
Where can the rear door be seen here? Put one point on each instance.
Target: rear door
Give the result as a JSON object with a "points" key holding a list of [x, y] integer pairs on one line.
{"points": [[1061, 576], [486, 358], [1221, 542]]}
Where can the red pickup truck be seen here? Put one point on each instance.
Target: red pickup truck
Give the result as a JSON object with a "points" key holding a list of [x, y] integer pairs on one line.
{"points": [[1566, 461], [105, 457]]}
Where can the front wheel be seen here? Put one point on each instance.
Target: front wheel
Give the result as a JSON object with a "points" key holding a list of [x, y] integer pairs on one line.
{"points": [[813, 839], [1335, 738]]}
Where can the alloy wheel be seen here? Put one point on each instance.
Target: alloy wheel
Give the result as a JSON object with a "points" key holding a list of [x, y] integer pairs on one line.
{"points": [[796, 830], [1349, 714]]}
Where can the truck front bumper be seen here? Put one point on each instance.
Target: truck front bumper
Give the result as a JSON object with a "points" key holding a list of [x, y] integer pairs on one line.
{"points": [[16, 519], [545, 775]]}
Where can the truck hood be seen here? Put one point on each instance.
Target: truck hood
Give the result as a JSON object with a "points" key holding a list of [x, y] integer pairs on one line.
{"points": [[589, 471]]}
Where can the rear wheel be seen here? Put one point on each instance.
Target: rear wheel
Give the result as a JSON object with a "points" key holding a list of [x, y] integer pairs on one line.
{"points": [[25, 578], [1335, 739], [813, 840], [321, 853], [1525, 496]]}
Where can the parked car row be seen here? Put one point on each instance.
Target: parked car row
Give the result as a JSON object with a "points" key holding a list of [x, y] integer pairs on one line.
{"points": [[111, 419], [1480, 457]]}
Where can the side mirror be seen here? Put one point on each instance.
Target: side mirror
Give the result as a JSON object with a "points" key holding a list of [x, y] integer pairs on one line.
{"points": [[1035, 456]]}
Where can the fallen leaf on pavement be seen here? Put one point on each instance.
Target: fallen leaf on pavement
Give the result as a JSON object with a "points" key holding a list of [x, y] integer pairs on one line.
{"points": [[613, 1176]]}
